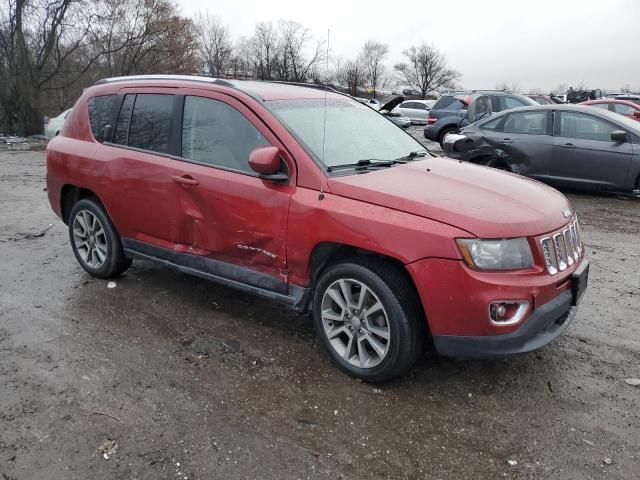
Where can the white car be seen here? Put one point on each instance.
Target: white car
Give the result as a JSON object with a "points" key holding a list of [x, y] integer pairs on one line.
{"points": [[416, 110], [55, 124]]}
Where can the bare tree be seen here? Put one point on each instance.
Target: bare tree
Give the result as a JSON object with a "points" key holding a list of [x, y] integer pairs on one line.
{"points": [[561, 89], [373, 52], [264, 48], [509, 87], [352, 74], [426, 69], [295, 64], [213, 43], [140, 36], [536, 91], [32, 52]]}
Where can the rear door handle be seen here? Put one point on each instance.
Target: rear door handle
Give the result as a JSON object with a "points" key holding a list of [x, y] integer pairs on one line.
{"points": [[185, 180], [568, 145], [506, 141]]}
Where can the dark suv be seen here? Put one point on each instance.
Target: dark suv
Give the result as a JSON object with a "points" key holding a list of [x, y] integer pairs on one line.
{"points": [[449, 112]]}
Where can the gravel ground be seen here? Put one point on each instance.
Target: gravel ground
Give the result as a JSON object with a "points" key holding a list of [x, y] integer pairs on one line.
{"points": [[168, 376]]}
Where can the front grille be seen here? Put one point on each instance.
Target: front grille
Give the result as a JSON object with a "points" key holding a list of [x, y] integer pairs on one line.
{"points": [[563, 248]]}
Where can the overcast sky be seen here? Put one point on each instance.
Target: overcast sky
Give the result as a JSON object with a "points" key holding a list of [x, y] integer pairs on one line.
{"points": [[536, 44]]}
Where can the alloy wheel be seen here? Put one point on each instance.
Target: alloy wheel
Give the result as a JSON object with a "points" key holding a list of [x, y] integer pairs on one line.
{"points": [[356, 323], [90, 239]]}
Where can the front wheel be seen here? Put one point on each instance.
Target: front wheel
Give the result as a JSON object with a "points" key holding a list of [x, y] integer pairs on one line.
{"points": [[94, 240], [369, 319]]}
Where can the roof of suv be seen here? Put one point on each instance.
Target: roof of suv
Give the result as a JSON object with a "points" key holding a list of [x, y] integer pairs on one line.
{"points": [[257, 89]]}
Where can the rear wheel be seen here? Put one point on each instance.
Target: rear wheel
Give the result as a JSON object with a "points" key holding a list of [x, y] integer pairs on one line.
{"points": [[444, 133], [95, 242], [369, 319]]}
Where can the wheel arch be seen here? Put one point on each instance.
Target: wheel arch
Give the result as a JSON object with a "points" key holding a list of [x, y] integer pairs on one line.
{"points": [[326, 254], [72, 194]]}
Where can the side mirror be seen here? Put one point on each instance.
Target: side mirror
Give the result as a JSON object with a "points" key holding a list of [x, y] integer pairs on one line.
{"points": [[618, 136], [266, 162]]}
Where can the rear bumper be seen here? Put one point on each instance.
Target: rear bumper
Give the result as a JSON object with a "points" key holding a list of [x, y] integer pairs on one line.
{"points": [[431, 132], [544, 325]]}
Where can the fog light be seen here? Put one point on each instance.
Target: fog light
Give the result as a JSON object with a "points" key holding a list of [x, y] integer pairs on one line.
{"points": [[507, 312]]}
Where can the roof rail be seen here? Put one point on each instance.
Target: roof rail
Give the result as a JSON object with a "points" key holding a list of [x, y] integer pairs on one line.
{"points": [[317, 86], [188, 78]]}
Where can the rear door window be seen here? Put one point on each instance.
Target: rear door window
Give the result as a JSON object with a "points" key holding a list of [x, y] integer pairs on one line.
{"points": [[217, 134], [100, 114], [492, 125], [528, 123], [150, 122]]}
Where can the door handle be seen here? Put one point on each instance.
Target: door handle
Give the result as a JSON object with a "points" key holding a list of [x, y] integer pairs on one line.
{"points": [[506, 141], [568, 145], [185, 180]]}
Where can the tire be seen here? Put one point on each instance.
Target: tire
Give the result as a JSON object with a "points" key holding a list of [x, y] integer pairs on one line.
{"points": [[493, 162], [94, 240], [444, 134], [401, 319]]}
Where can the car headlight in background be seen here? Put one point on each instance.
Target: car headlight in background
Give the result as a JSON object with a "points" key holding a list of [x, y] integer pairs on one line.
{"points": [[502, 254]]}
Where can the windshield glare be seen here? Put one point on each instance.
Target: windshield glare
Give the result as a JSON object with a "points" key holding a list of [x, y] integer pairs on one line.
{"points": [[353, 131]]}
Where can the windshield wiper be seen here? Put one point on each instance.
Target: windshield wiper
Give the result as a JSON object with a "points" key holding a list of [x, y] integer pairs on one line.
{"points": [[363, 164], [411, 156]]}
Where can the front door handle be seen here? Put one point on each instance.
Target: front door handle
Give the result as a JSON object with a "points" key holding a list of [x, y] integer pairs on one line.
{"points": [[568, 145], [506, 141], [185, 180]]}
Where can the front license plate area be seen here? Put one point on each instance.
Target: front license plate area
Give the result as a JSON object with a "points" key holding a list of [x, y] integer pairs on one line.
{"points": [[579, 280]]}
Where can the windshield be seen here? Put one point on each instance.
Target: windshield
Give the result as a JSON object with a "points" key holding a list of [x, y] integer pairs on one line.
{"points": [[354, 132]]}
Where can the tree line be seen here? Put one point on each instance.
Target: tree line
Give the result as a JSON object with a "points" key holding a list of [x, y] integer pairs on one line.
{"points": [[50, 50]]}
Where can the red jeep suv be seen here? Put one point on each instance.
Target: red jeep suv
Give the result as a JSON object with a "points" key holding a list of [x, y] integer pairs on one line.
{"points": [[311, 198]]}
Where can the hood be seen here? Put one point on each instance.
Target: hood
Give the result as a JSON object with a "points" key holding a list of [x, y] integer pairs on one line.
{"points": [[485, 202], [391, 104]]}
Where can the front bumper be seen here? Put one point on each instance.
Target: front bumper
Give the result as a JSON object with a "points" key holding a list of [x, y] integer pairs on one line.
{"points": [[544, 325]]}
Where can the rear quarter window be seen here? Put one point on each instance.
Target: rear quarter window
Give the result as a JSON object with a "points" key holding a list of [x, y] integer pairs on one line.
{"points": [[100, 114]]}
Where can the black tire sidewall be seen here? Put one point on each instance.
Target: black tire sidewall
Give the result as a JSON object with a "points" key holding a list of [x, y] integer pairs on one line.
{"points": [[398, 320], [114, 245], [444, 134]]}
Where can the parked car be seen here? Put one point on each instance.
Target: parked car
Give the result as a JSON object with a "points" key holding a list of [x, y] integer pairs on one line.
{"points": [[449, 112], [563, 145], [416, 110], [390, 111], [623, 107], [310, 198], [629, 97], [411, 92], [544, 99], [55, 124]]}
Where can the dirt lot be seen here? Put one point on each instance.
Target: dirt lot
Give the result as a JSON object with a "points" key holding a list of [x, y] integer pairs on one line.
{"points": [[190, 380]]}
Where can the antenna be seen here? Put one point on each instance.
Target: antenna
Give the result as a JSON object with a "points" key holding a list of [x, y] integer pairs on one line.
{"points": [[324, 119]]}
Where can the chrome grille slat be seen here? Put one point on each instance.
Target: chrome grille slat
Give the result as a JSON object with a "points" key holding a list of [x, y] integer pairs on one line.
{"points": [[563, 248], [568, 245]]}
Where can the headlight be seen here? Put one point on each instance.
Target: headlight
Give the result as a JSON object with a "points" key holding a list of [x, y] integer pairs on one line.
{"points": [[505, 254]]}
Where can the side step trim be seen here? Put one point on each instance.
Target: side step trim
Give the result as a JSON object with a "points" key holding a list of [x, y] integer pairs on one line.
{"points": [[247, 280]]}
